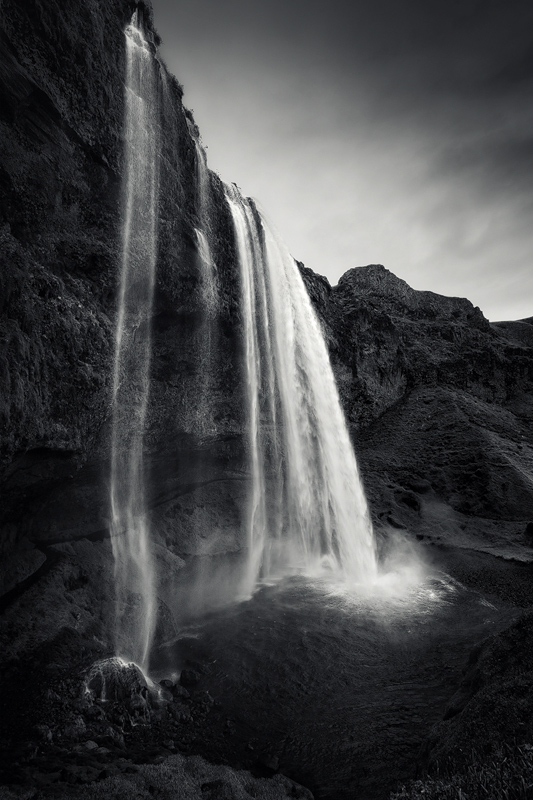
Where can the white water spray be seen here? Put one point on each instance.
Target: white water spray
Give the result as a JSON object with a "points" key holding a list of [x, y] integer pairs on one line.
{"points": [[134, 568], [307, 507]]}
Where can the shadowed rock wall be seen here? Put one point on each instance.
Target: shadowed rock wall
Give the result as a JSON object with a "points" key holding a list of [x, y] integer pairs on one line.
{"points": [[61, 100], [440, 403]]}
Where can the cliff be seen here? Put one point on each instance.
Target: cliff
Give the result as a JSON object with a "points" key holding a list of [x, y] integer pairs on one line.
{"points": [[440, 405], [62, 93], [61, 164]]}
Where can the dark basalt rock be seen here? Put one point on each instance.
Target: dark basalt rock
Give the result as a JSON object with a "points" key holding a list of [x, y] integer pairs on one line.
{"points": [[113, 680], [189, 677], [439, 401]]}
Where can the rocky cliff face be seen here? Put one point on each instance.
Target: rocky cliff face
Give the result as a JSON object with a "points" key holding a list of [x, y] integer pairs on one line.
{"points": [[440, 405], [438, 399], [62, 107], [61, 101]]}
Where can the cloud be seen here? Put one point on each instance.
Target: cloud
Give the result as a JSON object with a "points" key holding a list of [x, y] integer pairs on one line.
{"points": [[383, 131]]}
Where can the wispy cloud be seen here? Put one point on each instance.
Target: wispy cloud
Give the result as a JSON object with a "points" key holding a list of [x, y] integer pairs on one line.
{"points": [[383, 131]]}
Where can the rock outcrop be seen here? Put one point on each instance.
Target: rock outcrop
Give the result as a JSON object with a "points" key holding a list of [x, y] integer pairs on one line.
{"points": [[440, 405]]}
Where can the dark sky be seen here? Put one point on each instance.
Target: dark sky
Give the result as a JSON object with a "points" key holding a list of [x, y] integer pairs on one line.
{"points": [[375, 131]]}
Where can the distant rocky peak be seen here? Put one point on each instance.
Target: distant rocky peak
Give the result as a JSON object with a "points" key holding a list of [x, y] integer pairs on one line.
{"points": [[374, 279], [376, 285]]}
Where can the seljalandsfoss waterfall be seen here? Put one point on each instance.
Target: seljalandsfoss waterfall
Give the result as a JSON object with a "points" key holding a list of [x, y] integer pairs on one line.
{"points": [[261, 536], [306, 510]]}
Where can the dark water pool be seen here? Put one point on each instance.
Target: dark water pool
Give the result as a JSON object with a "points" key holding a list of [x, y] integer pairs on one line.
{"points": [[339, 688]]}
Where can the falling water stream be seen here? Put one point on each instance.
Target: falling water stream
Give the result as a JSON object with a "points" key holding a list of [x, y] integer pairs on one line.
{"points": [[307, 510], [210, 293], [134, 568], [307, 507], [206, 344]]}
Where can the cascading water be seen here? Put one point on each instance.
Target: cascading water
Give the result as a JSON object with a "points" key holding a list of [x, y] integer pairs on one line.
{"points": [[134, 567], [307, 506], [204, 251]]}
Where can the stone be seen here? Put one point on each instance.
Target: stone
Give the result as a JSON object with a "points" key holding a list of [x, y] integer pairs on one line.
{"points": [[94, 713], [114, 680], [395, 523], [181, 714], [205, 699], [90, 745], [408, 499], [74, 730], [43, 732], [217, 790]]}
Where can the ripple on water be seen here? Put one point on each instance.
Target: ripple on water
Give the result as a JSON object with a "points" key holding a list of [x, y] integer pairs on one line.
{"points": [[342, 681]]}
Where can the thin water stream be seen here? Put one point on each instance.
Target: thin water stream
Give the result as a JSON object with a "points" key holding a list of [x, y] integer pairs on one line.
{"points": [[130, 537]]}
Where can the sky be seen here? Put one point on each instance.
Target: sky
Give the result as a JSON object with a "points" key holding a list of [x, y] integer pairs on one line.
{"points": [[397, 132]]}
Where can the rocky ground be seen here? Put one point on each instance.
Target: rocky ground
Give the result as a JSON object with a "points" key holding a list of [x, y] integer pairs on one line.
{"points": [[483, 747], [345, 701], [102, 732]]}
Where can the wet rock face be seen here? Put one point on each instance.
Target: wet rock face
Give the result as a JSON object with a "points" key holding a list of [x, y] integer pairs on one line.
{"points": [[61, 127], [59, 181], [61, 119], [112, 680]]}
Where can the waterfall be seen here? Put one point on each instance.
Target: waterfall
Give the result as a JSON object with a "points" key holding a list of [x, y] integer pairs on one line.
{"points": [[134, 566], [207, 330], [307, 510], [210, 292], [307, 506]]}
